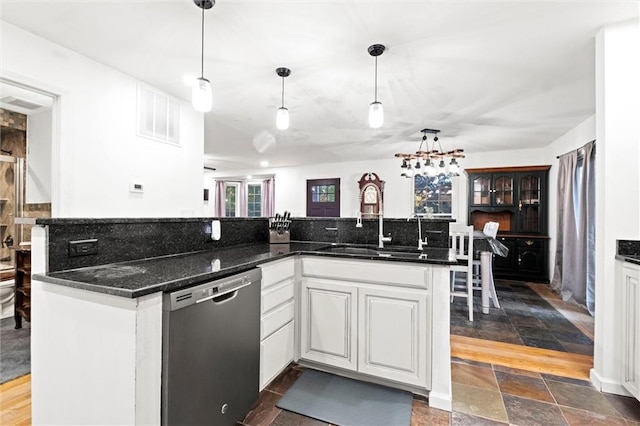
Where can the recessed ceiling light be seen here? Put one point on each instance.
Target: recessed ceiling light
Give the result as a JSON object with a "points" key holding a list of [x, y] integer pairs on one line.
{"points": [[249, 176], [264, 163]]}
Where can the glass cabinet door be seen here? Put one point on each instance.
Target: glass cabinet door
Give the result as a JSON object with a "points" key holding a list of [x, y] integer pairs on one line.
{"points": [[503, 190], [529, 203], [481, 187]]}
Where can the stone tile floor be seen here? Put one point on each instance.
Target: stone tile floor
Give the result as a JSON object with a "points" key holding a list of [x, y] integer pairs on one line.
{"points": [[484, 394], [524, 318]]}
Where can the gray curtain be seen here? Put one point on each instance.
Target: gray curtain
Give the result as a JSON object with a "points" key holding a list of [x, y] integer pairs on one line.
{"points": [[574, 269], [268, 197], [218, 198]]}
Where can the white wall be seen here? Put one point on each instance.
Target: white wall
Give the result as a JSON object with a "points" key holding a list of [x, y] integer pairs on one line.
{"points": [[98, 153], [617, 186], [39, 131]]}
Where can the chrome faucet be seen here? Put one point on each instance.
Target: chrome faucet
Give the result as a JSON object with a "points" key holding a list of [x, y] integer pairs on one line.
{"points": [[381, 238], [421, 243]]}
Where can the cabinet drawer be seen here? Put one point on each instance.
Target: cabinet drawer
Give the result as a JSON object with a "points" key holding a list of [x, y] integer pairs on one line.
{"points": [[273, 273], [277, 295], [276, 319], [276, 352], [401, 274], [530, 242]]}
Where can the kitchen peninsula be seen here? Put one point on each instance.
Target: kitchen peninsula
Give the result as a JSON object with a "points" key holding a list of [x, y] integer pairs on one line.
{"points": [[99, 343]]}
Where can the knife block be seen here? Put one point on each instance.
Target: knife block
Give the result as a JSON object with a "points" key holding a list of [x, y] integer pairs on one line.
{"points": [[279, 236]]}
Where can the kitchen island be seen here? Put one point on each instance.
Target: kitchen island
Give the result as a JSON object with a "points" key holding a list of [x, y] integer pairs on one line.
{"points": [[97, 353]]}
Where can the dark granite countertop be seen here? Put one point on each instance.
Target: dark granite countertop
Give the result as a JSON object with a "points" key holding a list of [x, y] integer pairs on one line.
{"points": [[631, 258], [169, 273], [628, 251]]}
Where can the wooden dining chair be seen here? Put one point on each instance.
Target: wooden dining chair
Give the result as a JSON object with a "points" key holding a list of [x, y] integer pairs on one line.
{"points": [[461, 243]]}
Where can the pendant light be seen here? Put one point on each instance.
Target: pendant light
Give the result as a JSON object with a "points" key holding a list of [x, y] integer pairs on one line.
{"points": [[376, 113], [282, 116], [434, 159], [201, 97]]}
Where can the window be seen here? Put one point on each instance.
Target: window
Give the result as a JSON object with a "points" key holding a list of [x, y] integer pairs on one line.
{"points": [[323, 193], [433, 192], [231, 205], [254, 200], [250, 205]]}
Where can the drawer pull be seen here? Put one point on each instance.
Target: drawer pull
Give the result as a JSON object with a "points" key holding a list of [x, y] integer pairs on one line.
{"points": [[529, 242]]}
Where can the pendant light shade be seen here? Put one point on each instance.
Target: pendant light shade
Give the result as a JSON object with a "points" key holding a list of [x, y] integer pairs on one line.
{"points": [[282, 116], [376, 113], [201, 94]]}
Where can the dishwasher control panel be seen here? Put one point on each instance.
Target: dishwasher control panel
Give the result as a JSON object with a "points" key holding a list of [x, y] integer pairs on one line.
{"points": [[189, 296]]}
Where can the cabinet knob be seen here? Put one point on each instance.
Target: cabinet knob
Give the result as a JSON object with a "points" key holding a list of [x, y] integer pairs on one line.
{"points": [[519, 260]]}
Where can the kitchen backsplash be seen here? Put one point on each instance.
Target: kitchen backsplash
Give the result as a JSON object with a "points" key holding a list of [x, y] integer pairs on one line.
{"points": [[628, 247], [121, 240]]}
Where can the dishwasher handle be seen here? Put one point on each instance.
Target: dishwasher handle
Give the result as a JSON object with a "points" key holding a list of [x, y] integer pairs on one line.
{"points": [[224, 297]]}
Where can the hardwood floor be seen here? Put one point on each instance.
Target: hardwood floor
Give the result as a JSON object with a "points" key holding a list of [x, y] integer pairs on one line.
{"points": [[15, 401], [522, 357]]}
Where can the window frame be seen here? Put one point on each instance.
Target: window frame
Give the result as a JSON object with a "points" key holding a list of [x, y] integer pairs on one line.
{"points": [[236, 185], [259, 186], [453, 200]]}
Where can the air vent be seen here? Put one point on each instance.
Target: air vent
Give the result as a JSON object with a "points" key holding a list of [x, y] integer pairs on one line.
{"points": [[158, 116], [20, 103], [184, 297]]}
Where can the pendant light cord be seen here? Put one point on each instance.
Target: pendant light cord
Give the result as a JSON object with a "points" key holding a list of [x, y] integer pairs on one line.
{"points": [[202, 44], [283, 92], [375, 96]]}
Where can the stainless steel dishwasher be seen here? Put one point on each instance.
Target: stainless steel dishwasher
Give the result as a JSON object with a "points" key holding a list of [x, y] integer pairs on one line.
{"points": [[211, 351]]}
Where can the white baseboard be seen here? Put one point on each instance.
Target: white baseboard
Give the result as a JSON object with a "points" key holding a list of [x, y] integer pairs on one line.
{"points": [[440, 401], [607, 385]]}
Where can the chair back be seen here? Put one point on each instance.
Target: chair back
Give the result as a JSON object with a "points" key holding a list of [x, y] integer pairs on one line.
{"points": [[491, 229], [461, 241]]}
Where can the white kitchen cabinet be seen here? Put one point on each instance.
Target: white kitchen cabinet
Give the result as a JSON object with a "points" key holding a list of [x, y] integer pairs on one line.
{"points": [[392, 334], [368, 317], [631, 328], [328, 315], [277, 326]]}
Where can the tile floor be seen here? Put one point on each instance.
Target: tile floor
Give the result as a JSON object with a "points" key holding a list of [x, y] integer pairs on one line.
{"points": [[524, 318], [484, 394]]}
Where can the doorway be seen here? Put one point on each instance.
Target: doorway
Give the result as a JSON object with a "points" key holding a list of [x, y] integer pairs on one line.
{"points": [[323, 197]]}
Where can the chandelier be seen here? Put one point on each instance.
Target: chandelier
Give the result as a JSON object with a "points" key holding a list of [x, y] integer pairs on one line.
{"points": [[425, 161]]}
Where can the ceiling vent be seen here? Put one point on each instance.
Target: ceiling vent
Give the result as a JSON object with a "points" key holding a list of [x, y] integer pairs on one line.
{"points": [[11, 100]]}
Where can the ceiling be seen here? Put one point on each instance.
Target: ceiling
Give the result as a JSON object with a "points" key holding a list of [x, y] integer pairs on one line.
{"points": [[491, 75]]}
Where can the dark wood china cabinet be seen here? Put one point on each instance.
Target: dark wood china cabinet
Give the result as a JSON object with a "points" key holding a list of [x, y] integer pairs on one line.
{"points": [[516, 198]]}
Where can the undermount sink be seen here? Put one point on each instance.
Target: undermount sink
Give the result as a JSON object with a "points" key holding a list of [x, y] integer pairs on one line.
{"points": [[406, 252]]}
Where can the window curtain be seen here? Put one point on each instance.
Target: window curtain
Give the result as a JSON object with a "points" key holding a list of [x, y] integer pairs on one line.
{"points": [[242, 200], [268, 197], [218, 198], [574, 269]]}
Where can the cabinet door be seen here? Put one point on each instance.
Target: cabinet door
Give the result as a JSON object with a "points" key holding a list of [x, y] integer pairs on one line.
{"points": [[530, 259], [506, 264], [480, 190], [529, 217], [392, 331], [503, 193], [631, 330], [328, 323]]}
